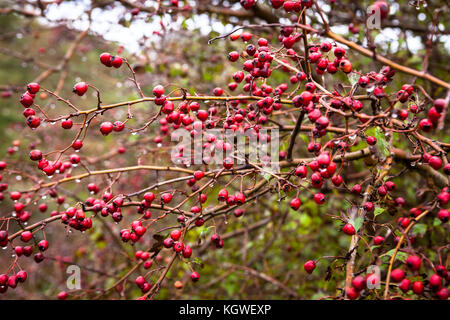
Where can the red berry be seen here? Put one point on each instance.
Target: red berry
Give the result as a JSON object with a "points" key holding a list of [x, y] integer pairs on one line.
{"points": [[26, 99], [106, 128], [33, 88], [371, 140], [405, 285], [397, 275], [187, 252], [195, 276], [417, 287], [166, 197], [378, 240], [309, 266], [444, 215], [359, 283], [435, 162], [435, 281], [105, 58], [352, 293], [80, 88], [26, 236], [67, 124], [175, 234], [158, 91], [116, 62], [349, 229], [62, 295], [295, 203], [414, 263], [426, 125]]}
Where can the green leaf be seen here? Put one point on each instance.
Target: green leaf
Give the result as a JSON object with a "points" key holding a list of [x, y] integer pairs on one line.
{"points": [[419, 229], [382, 143], [378, 211], [400, 255], [357, 223], [353, 78]]}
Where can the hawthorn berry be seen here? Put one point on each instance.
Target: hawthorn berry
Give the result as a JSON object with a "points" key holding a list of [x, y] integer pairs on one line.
{"points": [[359, 283], [413, 262], [349, 229], [33, 88], [295, 203], [195, 276], [106, 128], [105, 58], [397, 275], [405, 285], [417, 287], [26, 236], [80, 88], [309, 266]]}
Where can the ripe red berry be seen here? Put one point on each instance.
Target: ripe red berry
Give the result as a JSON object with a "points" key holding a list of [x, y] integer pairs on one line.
{"points": [[447, 169], [397, 275], [425, 125], [27, 99], [67, 124], [301, 171], [359, 283], [116, 62], [175, 234], [337, 180], [417, 287], [319, 198], [443, 294], [239, 198], [187, 252], [158, 91], [166, 197], [33, 87], [105, 58], [21, 276], [414, 263], [435, 162], [178, 247], [233, 56], [77, 144], [26, 236], [35, 155], [80, 88], [440, 105], [352, 293], [106, 128], [371, 140], [405, 285], [118, 126], [43, 245], [309, 266], [444, 215], [339, 52], [168, 242], [435, 281], [228, 163], [295, 203], [198, 174], [357, 189], [349, 229], [223, 195], [378, 240], [195, 276], [62, 295], [33, 122], [368, 206]]}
